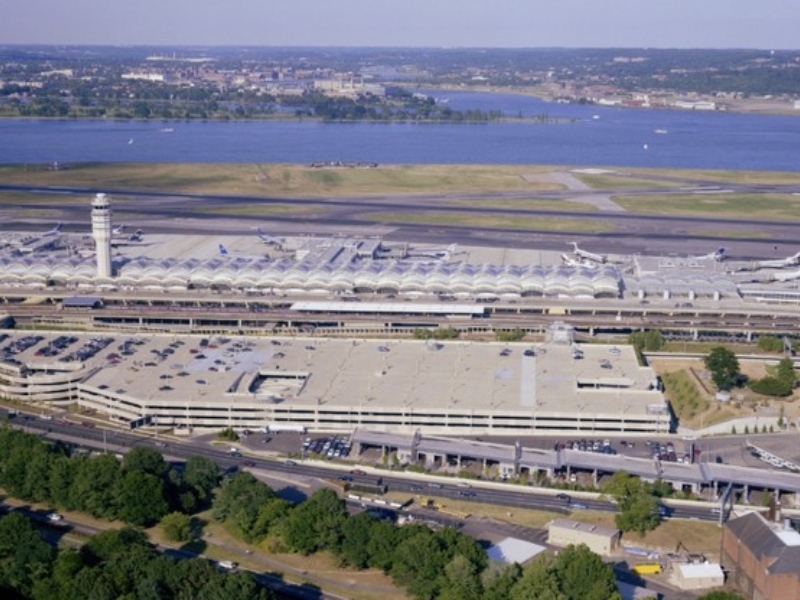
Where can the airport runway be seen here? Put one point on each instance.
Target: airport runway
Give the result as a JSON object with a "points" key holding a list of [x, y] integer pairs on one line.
{"points": [[616, 232]]}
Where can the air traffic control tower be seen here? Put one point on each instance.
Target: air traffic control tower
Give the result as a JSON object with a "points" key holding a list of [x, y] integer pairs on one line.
{"points": [[101, 232]]}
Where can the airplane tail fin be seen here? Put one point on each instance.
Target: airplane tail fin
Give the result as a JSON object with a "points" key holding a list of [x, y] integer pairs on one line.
{"points": [[223, 250]]}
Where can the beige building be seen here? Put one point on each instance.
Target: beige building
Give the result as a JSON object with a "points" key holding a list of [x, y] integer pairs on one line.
{"points": [[599, 539]]}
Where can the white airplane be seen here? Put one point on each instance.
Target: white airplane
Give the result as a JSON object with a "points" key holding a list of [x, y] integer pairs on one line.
{"points": [[789, 276], [718, 255], [118, 230], [435, 252], [600, 258], [571, 262], [54, 231], [268, 239], [789, 261]]}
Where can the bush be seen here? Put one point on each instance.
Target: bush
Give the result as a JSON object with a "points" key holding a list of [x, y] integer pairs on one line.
{"points": [[770, 343], [177, 527], [772, 386], [440, 333], [514, 335], [228, 435]]}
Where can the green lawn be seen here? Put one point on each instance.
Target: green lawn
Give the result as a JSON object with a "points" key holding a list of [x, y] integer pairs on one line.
{"points": [[737, 206], [488, 220]]}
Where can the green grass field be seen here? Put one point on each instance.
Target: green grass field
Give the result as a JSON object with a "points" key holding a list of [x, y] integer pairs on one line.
{"points": [[285, 180], [738, 206], [489, 220]]}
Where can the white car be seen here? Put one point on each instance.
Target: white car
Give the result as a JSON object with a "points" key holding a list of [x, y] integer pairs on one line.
{"points": [[55, 518]]}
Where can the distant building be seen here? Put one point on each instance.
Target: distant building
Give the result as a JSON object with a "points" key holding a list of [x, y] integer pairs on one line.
{"points": [[762, 558], [144, 76], [695, 105], [348, 88]]}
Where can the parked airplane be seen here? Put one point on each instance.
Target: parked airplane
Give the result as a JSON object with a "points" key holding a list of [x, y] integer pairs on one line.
{"points": [[571, 262], [118, 230], [54, 231], [787, 276], [718, 255], [789, 261], [268, 239], [434, 252], [601, 258]]}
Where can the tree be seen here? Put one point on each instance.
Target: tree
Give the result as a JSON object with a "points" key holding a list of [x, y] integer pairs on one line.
{"points": [[724, 367], [538, 580], [721, 595], [653, 340], [316, 524], [140, 498], [61, 584], [177, 527], [24, 556], [498, 581], [270, 517], [92, 489], [201, 474], [770, 343], [238, 502], [779, 383], [146, 460], [418, 564], [461, 580], [104, 545], [356, 534], [639, 514], [637, 502], [382, 544], [582, 574]]}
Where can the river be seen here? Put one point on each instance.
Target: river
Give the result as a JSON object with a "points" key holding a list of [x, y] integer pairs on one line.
{"points": [[583, 135]]}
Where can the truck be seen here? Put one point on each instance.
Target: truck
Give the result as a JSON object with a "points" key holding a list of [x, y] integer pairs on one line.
{"points": [[376, 487], [647, 568]]}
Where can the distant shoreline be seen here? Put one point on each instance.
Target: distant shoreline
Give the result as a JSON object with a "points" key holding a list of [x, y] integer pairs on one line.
{"points": [[758, 106]]}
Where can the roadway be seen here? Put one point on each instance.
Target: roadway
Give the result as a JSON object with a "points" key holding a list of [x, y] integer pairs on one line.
{"points": [[503, 495], [243, 313]]}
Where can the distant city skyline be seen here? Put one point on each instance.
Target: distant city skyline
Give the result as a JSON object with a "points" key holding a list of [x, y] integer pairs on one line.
{"points": [[769, 25]]}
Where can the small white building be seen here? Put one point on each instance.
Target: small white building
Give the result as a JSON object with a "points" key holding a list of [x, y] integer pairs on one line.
{"points": [[514, 550], [700, 576]]}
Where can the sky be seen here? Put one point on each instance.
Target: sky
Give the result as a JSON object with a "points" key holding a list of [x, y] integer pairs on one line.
{"points": [[763, 24]]}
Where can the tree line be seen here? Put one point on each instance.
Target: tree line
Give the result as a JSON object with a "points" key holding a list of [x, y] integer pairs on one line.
{"points": [[113, 565], [142, 490], [139, 490], [443, 564]]}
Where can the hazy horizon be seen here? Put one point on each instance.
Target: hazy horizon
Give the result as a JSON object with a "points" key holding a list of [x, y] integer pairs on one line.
{"points": [[679, 24]]}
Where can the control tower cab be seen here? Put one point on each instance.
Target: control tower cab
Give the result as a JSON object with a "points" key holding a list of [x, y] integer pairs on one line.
{"points": [[102, 232]]}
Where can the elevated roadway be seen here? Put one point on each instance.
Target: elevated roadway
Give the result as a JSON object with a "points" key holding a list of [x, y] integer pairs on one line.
{"points": [[239, 312]]}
